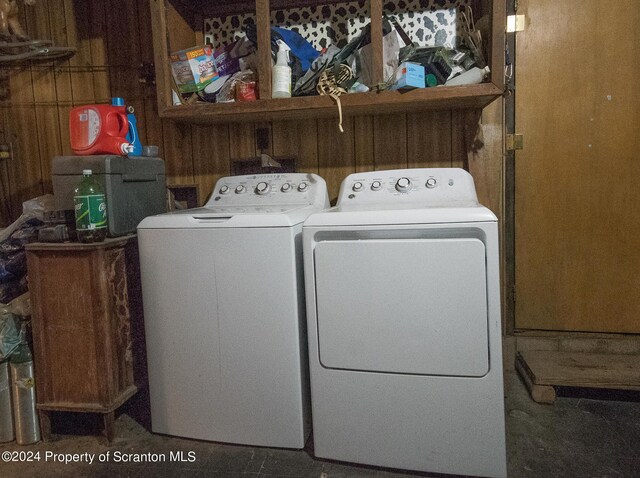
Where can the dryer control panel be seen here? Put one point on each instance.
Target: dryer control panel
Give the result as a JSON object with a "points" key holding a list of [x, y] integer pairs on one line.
{"points": [[270, 189], [425, 187]]}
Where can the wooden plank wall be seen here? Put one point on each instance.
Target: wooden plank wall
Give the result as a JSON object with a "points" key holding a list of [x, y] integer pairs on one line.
{"points": [[114, 38]]}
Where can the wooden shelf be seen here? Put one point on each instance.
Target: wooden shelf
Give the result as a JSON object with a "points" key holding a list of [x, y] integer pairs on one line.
{"points": [[385, 102], [177, 24]]}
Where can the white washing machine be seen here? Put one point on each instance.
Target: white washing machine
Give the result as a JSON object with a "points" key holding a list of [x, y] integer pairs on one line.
{"points": [[224, 312], [403, 310]]}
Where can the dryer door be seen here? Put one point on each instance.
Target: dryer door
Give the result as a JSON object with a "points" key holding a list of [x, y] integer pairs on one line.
{"points": [[412, 306]]}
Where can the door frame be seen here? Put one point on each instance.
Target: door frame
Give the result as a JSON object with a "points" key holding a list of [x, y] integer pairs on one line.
{"points": [[509, 245]]}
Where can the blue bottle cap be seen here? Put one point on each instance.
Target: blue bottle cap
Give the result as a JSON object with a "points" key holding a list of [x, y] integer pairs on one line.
{"points": [[117, 101]]}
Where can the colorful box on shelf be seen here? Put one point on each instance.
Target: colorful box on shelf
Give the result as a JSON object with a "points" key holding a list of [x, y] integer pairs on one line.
{"points": [[193, 68], [410, 75]]}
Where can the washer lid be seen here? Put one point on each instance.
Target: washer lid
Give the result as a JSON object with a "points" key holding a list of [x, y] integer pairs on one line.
{"points": [[397, 214], [273, 215], [257, 200]]}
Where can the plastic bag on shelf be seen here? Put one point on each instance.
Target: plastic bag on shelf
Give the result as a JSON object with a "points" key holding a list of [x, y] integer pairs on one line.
{"points": [[9, 335], [227, 93], [5, 274], [37, 206], [333, 57], [13, 267], [230, 58], [302, 53], [391, 44], [233, 58], [358, 55], [306, 85], [12, 289], [13, 262], [31, 209]]}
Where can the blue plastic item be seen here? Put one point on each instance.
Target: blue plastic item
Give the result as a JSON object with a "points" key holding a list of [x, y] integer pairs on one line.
{"points": [[132, 136], [300, 48]]}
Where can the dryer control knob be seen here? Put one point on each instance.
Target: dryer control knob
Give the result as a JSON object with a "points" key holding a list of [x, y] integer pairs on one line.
{"points": [[303, 187], [403, 185], [357, 186], [263, 188], [286, 187], [376, 186], [224, 190], [240, 189], [431, 183]]}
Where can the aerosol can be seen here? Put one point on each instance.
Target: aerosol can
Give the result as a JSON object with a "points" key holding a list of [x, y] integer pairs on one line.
{"points": [[6, 413], [27, 427]]}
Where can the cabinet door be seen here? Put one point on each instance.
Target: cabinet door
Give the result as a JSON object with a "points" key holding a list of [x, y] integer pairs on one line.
{"points": [[68, 328], [577, 197]]}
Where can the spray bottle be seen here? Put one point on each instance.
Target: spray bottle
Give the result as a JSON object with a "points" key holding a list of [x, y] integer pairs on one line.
{"points": [[281, 73]]}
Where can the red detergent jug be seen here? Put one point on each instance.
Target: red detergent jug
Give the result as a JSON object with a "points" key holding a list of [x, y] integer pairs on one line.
{"points": [[99, 129]]}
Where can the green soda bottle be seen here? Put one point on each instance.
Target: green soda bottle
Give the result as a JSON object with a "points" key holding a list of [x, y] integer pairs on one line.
{"points": [[91, 209]]}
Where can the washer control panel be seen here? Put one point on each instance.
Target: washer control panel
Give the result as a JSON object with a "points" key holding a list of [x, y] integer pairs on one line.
{"points": [[428, 186], [269, 189]]}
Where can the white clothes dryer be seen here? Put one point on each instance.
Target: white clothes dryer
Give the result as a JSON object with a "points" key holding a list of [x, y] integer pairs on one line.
{"points": [[403, 310], [224, 311]]}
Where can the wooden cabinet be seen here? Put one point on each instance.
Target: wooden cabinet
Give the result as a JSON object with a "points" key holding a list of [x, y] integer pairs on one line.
{"points": [[85, 301], [177, 24]]}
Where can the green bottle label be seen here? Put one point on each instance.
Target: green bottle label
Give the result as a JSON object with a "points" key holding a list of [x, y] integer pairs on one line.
{"points": [[91, 211]]}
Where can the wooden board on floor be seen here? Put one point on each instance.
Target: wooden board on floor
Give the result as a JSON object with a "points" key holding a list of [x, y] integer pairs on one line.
{"points": [[577, 369]]}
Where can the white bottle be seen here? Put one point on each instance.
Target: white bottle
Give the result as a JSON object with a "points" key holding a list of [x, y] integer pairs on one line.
{"points": [[281, 73], [470, 77]]}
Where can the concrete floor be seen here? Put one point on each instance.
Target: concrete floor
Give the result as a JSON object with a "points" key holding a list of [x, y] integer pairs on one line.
{"points": [[575, 437]]}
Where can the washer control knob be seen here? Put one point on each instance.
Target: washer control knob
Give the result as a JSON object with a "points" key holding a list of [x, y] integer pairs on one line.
{"points": [[240, 189], [286, 187], [224, 190], [357, 186], [403, 185], [376, 186], [302, 187], [263, 188], [431, 183]]}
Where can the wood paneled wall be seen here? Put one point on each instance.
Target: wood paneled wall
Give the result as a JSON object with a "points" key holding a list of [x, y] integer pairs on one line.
{"points": [[113, 38]]}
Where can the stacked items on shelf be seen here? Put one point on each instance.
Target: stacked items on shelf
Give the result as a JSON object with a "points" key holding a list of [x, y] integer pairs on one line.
{"points": [[229, 72], [222, 75], [13, 261], [39, 222], [18, 418]]}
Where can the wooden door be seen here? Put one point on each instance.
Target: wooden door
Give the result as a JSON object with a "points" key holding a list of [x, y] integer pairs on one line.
{"points": [[577, 187]]}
